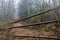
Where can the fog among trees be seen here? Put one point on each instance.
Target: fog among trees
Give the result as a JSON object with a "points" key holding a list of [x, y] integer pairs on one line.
{"points": [[19, 9]]}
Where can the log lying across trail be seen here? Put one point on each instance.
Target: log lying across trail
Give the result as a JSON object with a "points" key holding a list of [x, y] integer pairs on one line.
{"points": [[34, 24], [44, 37], [40, 13]]}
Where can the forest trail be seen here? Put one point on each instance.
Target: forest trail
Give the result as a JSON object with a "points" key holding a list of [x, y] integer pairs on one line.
{"points": [[23, 31], [28, 32]]}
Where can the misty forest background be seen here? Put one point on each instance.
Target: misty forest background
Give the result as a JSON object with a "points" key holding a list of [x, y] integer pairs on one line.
{"points": [[11, 10]]}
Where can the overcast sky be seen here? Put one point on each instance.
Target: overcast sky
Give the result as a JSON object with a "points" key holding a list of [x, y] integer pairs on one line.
{"points": [[16, 1]]}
